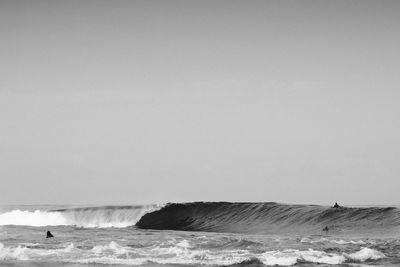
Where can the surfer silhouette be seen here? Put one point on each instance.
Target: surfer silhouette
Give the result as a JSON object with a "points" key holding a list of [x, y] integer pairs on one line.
{"points": [[336, 205], [49, 234], [326, 229]]}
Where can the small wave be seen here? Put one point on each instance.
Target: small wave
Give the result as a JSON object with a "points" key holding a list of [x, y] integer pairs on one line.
{"points": [[366, 254], [101, 217], [334, 241], [182, 252], [24, 253], [111, 248], [292, 256], [346, 242]]}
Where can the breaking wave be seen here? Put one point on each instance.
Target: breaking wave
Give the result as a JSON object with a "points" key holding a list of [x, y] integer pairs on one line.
{"points": [[216, 217], [102, 217], [268, 218]]}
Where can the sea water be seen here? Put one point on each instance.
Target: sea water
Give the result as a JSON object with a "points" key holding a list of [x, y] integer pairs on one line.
{"points": [[102, 236]]}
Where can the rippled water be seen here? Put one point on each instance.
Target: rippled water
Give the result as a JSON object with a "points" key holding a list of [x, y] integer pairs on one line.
{"points": [[27, 245]]}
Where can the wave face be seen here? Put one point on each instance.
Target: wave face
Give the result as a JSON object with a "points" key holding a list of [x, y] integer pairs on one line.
{"points": [[102, 217], [269, 218]]}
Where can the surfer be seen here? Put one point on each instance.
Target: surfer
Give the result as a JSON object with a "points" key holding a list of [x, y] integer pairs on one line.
{"points": [[49, 234], [336, 205], [326, 229]]}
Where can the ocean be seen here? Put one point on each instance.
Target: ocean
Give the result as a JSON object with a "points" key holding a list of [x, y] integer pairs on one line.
{"points": [[200, 234]]}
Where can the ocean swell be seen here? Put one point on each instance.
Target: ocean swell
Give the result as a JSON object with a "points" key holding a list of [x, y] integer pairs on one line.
{"points": [[217, 217]]}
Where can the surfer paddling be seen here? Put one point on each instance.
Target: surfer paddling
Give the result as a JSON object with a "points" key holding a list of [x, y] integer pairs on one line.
{"points": [[336, 205], [49, 234]]}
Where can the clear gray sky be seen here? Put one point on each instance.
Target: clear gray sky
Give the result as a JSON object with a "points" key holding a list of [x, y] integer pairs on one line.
{"points": [[110, 102]]}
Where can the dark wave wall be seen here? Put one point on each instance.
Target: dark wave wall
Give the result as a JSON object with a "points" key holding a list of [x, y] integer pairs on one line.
{"points": [[267, 217]]}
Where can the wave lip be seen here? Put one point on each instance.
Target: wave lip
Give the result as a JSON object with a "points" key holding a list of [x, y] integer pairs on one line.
{"points": [[99, 217], [267, 217]]}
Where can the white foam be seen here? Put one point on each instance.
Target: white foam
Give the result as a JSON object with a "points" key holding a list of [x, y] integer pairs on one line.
{"points": [[279, 258], [23, 253], [291, 256], [87, 218], [112, 248], [32, 218], [183, 244], [366, 254], [176, 252], [321, 257], [181, 252]]}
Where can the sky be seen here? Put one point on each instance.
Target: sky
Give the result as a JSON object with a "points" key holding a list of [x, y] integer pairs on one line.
{"points": [[135, 102]]}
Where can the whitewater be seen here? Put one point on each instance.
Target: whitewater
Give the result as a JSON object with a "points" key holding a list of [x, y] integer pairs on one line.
{"points": [[199, 234], [87, 217]]}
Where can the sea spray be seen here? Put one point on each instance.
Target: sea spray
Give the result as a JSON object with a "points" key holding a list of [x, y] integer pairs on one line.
{"points": [[89, 217]]}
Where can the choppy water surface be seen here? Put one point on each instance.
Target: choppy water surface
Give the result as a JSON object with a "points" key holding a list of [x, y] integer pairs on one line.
{"points": [[221, 234]]}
